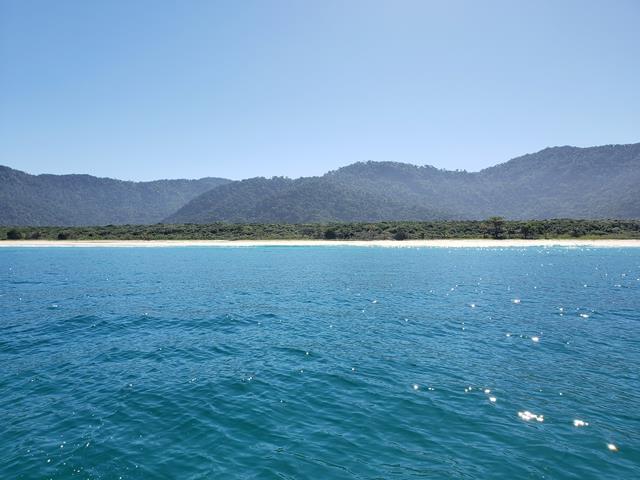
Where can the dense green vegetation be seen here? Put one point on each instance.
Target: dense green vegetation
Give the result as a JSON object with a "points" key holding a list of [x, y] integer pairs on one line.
{"points": [[560, 182], [494, 227], [85, 200]]}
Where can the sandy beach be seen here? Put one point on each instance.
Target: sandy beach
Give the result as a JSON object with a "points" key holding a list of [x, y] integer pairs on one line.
{"points": [[459, 243]]}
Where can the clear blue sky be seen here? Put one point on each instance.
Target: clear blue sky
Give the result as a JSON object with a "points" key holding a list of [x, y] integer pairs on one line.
{"points": [[164, 89]]}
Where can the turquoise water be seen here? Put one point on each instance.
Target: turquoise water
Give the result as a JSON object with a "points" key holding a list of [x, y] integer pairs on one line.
{"points": [[341, 362]]}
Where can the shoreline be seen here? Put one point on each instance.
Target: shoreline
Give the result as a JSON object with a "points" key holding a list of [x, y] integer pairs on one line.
{"points": [[446, 243]]}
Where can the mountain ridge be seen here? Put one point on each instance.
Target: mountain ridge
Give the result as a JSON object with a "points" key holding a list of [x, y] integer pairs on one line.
{"points": [[591, 182], [556, 182], [81, 199]]}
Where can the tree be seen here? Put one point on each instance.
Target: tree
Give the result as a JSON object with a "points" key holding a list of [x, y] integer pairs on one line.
{"points": [[63, 236], [527, 230], [14, 234], [496, 227], [400, 235], [330, 234], [577, 232]]}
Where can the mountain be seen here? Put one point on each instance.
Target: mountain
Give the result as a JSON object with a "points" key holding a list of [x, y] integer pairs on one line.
{"points": [[85, 200], [559, 182], [281, 200]]}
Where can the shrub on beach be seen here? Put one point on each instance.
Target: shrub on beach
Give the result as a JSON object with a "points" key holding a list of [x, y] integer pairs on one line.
{"points": [[400, 235], [330, 234], [14, 234]]}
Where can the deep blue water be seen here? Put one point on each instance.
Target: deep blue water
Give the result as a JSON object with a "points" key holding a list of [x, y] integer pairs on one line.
{"points": [[339, 362]]}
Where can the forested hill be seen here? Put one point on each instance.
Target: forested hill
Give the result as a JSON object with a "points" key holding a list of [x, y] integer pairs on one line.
{"points": [[559, 182], [85, 200]]}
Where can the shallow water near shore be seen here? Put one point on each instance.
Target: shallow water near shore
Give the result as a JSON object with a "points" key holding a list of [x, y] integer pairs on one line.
{"points": [[308, 362]]}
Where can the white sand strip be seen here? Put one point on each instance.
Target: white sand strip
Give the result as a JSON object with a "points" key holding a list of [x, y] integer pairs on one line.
{"points": [[472, 243]]}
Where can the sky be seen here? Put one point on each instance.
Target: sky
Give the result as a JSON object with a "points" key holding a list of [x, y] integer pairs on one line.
{"points": [[142, 90]]}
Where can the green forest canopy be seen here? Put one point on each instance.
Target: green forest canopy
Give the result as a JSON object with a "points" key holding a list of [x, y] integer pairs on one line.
{"points": [[495, 227]]}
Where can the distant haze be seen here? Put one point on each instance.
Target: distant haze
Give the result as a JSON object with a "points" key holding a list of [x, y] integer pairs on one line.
{"points": [[148, 90]]}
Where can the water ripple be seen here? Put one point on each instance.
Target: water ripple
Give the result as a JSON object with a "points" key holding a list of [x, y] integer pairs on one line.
{"points": [[320, 363]]}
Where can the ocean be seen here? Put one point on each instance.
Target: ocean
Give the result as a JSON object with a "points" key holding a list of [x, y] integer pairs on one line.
{"points": [[319, 363]]}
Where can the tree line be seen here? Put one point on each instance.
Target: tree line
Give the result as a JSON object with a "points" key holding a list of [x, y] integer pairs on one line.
{"points": [[494, 227]]}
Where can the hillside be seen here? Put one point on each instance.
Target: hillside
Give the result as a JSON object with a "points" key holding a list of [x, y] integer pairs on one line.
{"points": [[312, 199], [85, 200], [560, 182]]}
